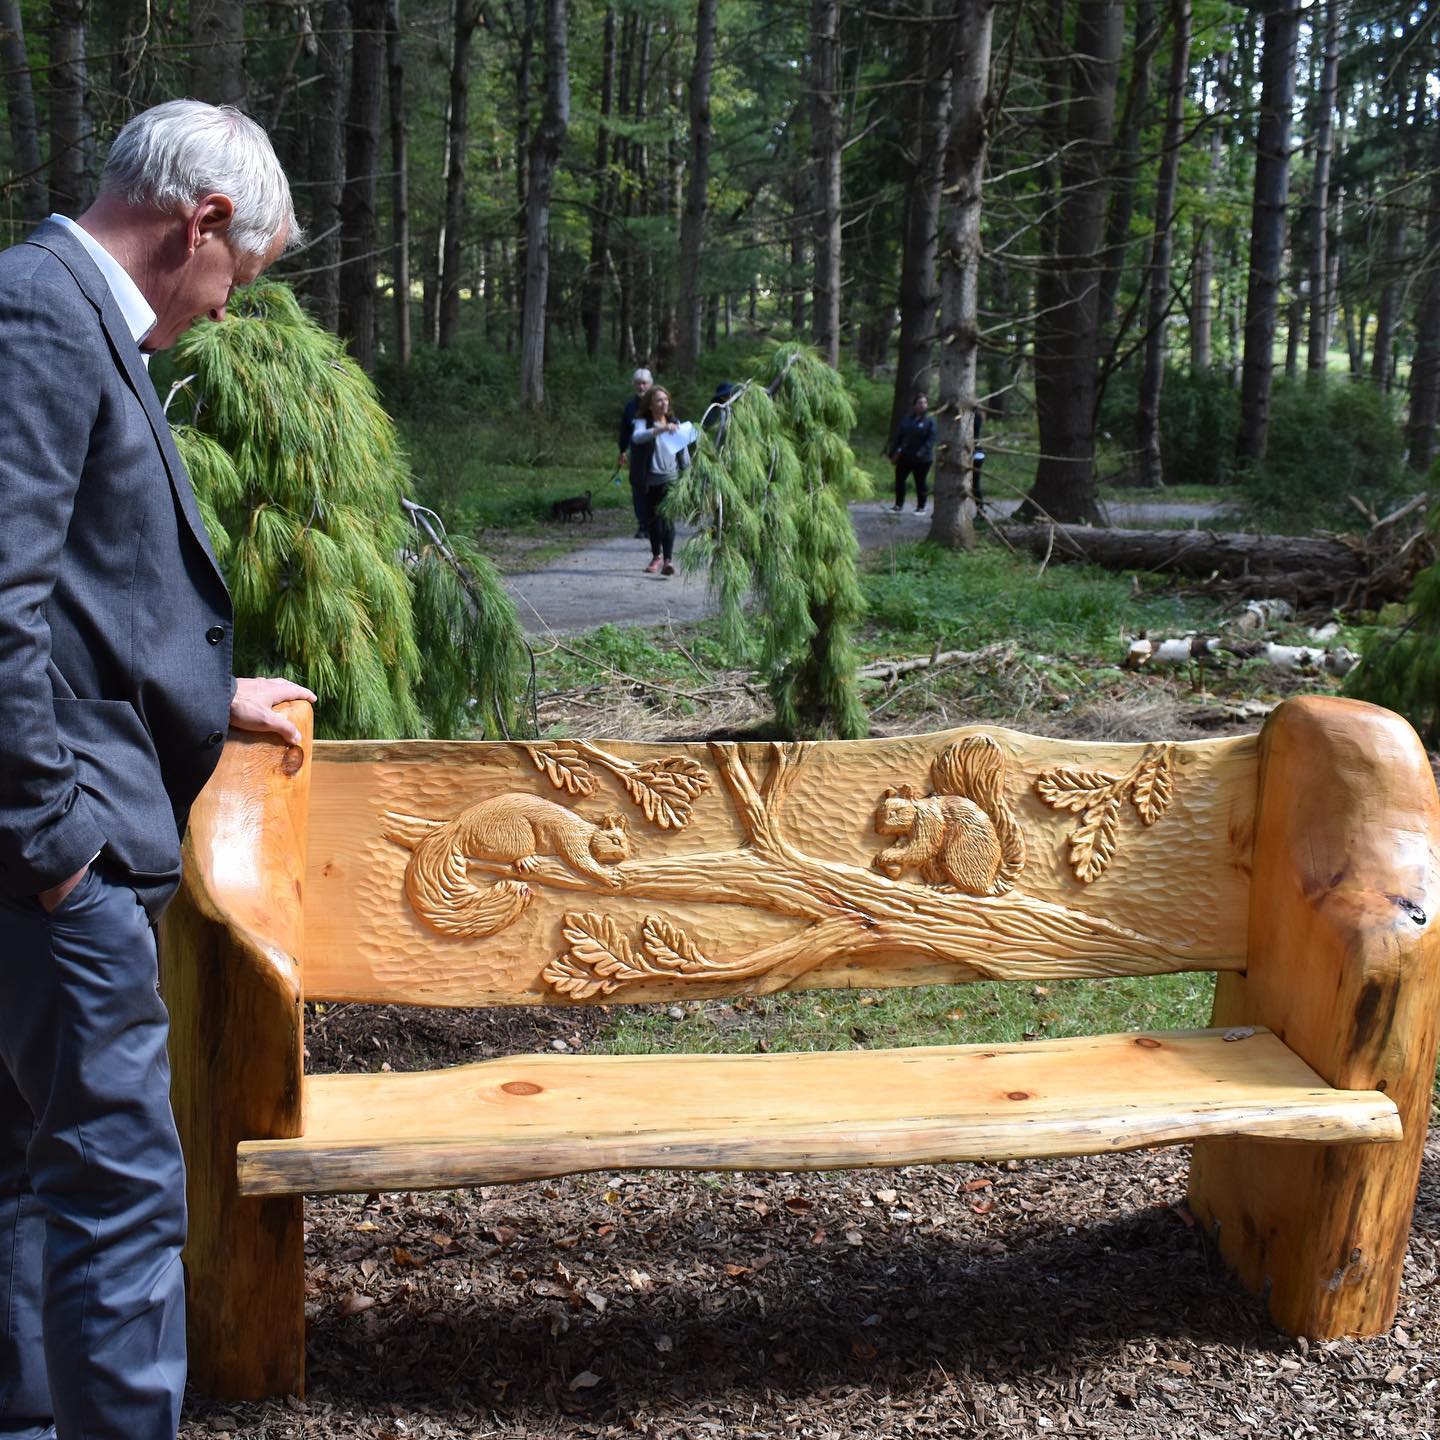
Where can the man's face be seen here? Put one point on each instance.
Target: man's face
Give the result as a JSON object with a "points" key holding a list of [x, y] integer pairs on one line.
{"points": [[922, 404], [210, 271], [641, 386]]}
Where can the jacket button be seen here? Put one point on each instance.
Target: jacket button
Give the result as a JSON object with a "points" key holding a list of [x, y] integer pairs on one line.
{"points": [[215, 737], [215, 634]]}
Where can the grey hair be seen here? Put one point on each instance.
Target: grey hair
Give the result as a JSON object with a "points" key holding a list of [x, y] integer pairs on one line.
{"points": [[171, 155], [642, 374]]}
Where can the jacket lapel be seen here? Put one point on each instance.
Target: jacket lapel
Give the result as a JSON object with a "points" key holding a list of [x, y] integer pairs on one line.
{"points": [[72, 255]]}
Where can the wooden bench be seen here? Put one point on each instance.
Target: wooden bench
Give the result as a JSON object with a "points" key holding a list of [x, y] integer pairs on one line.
{"points": [[1301, 865]]}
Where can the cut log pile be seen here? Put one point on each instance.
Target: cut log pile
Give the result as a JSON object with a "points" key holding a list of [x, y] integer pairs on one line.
{"points": [[1333, 572]]}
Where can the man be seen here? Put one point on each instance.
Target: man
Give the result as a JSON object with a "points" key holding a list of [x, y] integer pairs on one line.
{"points": [[640, 382], [115, 698], [912, 451]]}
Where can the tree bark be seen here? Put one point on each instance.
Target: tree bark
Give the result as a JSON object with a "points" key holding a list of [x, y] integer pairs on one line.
{"points": [[217, 52], [1067, 340], [592, 298], [20, 101], [1202, 305], [1320, 290], [827, 145], [1267, 225], [465, 16], [625, 195], [360, 230], [952, 522], [524, 71], [1127, 163], [692, 221], [1152, 374], [327, 173], [544, 154], [1385, 309], [400, 181], [70, 127], [1425, 362], [927, 69]]}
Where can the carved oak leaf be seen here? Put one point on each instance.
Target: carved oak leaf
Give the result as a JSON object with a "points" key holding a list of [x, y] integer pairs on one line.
{"points": [[1064, 789], [1092, 845], [1153, 787], [564, 767], [669, 948], [666, 789], [599, 960]]}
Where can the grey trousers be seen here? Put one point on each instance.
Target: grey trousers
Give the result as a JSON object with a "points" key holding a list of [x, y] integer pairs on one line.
{"points": [[92, 1185]]}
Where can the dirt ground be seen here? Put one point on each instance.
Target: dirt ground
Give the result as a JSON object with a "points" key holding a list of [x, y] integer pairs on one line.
{"points": [[1037, 1299]]}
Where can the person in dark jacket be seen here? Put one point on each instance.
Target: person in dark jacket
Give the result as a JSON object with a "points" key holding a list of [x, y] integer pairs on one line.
{"points": [[641, 381], [912, 451]]}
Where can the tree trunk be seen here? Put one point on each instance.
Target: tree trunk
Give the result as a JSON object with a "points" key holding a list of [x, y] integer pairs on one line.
{"points": [[1267, 225], [1385, 310], [1067, 340], [592, 299], [1127, 163], [952, 522], [465, 16], [524, 69], [1152, 374], [70, 128], [1202, 305], [217, 51], [827, 144], [1425, 362], [1320, 291], [327, 172], [544, 154], [360, 230], [929, 73], [20, 100], [692, 222], [625, 202], [400, 181], [800, 203]]}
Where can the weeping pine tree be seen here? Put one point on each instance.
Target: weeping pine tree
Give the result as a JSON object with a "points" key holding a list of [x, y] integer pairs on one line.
{"points": [[768, 493], [338, 582]]}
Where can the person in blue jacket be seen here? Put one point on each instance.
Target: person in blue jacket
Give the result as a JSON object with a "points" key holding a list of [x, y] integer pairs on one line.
{"points": [[640, 381], [912, 451]]}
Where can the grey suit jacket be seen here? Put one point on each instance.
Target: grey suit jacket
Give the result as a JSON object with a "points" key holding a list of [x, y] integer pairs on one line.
{"points": [[115, 623]]}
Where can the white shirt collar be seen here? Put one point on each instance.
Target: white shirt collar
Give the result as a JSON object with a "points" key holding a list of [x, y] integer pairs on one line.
{"points": [[139, 317]]}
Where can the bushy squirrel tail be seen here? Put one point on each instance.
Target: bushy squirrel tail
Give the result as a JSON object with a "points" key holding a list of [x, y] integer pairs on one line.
{"points": [[975, 768]]}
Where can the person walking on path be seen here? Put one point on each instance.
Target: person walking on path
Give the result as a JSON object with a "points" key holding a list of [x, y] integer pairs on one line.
{"points": [[663, 463], [641, 381], [912, 451], [116, 693]]}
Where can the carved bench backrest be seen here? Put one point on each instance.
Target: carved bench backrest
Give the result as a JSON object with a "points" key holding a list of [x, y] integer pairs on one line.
{"points": [[499, 873]]}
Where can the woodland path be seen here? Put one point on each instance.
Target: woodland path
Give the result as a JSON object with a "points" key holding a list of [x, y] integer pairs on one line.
{"points": [[604, 583]]}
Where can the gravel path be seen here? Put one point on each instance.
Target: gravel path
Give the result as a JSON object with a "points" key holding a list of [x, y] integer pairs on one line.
{"points": [[605, 583]]}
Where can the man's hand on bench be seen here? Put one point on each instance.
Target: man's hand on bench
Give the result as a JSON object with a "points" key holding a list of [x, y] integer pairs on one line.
{"points": [[253, 707]]}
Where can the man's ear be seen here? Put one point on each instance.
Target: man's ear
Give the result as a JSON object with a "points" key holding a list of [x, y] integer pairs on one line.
{"points": [[210, 217]]}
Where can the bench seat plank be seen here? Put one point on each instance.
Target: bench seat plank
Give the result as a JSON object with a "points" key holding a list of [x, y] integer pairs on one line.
{"points": [[526, 1117]]}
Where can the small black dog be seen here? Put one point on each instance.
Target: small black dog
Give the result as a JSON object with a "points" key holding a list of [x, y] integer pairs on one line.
{"points": [[572, 506]]}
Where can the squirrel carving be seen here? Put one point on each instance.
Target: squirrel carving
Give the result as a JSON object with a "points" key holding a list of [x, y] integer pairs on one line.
{"points": [[962, 837], [515, 829]]}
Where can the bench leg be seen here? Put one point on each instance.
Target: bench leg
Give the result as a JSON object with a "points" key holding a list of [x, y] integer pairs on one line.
{"points": [[1344, 949], [235, 1050]]}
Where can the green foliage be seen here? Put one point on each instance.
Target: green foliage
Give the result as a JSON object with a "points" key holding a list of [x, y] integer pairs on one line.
{"points": [[300, 478], [770, 503], [1329, 440], [1199, 420]]}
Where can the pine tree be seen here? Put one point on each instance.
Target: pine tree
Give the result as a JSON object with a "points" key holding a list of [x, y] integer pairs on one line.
{"points": [[338, 582], [769, 493]]}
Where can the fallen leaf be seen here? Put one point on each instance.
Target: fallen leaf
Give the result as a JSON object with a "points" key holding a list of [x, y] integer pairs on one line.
{"points": [[664, 1344], [818, 1238], [366, 1225], [585, 1380], [502, 1234], [886, 1197], [798, 1204], [983, 1207], [735, 1271], [352, 1303], [596, 1300], [983, 1182], [403, 1258], [368, 1268]]}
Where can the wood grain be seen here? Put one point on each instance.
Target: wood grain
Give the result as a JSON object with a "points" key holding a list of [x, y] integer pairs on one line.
{"points": [[230, 947], [772, 875], [530, 1116], [1345, 967]]}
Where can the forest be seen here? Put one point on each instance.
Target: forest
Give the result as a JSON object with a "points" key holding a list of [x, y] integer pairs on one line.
{"points": [[1149, 222]]}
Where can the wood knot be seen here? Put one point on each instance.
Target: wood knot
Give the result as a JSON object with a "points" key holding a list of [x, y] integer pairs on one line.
{"points": [[1146, 1043], [293, 760], [521, 1087], [1018, 1095]]}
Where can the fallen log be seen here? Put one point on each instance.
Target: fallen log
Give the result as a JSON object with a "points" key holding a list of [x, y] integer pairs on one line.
{"points": [[1305, 570]]}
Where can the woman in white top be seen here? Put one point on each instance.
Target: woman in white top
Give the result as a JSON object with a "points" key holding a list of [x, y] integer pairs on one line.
{"points": [[663, 463]]}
